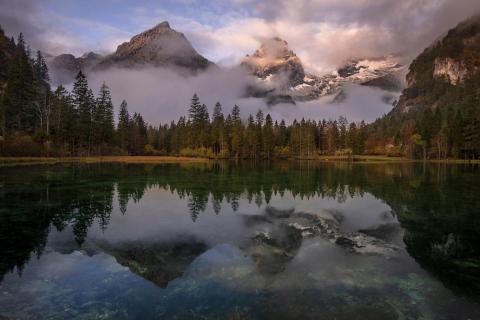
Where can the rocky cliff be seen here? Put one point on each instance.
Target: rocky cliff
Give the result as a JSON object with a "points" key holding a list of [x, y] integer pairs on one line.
{"points": [[452, 71], [443, 68]]}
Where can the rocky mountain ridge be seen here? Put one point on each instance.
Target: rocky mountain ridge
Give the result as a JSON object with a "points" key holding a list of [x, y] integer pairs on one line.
{"points": [[279, 75]]}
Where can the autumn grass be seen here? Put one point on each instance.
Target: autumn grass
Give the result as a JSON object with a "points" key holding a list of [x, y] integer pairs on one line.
{"points": [[18, 161], [384, 159], [356, 158], [14, 161]]}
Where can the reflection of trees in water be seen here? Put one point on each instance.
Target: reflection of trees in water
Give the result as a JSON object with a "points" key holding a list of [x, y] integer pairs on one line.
{"points": [[80, 195]]}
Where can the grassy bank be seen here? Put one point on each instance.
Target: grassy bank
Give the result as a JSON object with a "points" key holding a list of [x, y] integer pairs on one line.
{"points": [[357, 158], [16, 161], [13, 161]]}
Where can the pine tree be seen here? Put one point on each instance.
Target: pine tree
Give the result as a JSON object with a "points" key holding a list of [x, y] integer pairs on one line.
{"points": [[199, 119], [21, 91], [64, 120], [236, 126], [259, 117], [218, 134], [84, 106], [123, 125], [236, 114], [194, 110], [267, 136], [251, 145], [103, 116], [41, 69]]}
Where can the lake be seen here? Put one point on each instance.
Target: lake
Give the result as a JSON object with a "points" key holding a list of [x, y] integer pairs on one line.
{"points": [[219, 240]]}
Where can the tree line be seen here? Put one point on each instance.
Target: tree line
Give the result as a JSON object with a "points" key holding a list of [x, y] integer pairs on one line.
{"points": [[258, 137]]}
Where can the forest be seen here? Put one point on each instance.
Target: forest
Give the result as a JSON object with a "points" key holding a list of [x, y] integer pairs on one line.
{"points": [[38, 120]]}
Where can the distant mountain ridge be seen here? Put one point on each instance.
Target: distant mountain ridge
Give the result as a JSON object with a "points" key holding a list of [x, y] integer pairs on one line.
{"points": [[65, 66], [280, 73]]}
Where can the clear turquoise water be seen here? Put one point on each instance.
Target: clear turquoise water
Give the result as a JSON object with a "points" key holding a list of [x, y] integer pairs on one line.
{"points": [[285, 240]]}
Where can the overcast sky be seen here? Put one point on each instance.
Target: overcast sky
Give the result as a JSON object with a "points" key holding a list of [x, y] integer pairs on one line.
{"points": [[323, 33]]}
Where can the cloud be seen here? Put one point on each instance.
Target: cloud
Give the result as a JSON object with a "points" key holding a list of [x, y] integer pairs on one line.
{"points": [[55, 34], [324, 33], [163, 95]]}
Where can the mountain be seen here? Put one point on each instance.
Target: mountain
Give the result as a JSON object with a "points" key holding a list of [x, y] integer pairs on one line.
{"points": [[65, 67], [452, 62], [282, 77], [158, 46], [275, 62], [439, 108]]}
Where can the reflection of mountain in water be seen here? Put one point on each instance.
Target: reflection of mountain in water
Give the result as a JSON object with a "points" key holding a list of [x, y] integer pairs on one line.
{"points": [[159, 263], [435, 205]]}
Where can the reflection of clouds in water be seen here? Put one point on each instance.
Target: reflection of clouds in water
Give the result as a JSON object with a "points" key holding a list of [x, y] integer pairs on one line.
{"points": [[162, 215], [354, 213]]}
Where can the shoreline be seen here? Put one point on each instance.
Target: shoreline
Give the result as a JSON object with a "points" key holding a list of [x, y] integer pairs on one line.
{"points": [[16, 161]]}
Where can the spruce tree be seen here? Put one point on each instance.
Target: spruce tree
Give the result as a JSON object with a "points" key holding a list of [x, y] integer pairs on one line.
{"points": [[103, 116], [21, 91], [84, 106], [41, 69], [236, 114], [218, 128], [123, 125], [267, 135]]}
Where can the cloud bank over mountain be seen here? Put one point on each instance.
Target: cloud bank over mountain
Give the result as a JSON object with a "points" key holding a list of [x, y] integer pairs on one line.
{"points": [[325, 32]]}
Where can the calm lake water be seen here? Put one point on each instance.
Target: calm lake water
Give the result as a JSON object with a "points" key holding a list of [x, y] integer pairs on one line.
{"points": [[283, 240]]}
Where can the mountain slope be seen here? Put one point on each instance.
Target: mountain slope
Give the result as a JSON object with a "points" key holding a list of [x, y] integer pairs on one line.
{"points": [[439, 110], [159, 46], [449, 63]]}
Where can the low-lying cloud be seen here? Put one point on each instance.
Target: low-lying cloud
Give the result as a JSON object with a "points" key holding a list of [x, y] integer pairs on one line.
{"points": [[162, 95]]}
